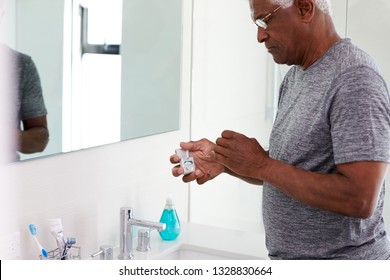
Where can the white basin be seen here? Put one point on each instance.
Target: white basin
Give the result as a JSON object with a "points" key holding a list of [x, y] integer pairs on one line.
{"points": [[204, 242], [191, 252]]}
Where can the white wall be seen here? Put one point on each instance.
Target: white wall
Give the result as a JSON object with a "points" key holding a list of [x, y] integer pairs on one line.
{"points": [[87, 188], [231, 90]]}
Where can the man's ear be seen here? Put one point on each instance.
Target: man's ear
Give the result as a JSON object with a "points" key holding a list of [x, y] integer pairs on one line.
{"points": [[306, 9]]}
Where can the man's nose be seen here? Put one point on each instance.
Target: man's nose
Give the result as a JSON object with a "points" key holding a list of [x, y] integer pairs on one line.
{"points": [[261, 35]]}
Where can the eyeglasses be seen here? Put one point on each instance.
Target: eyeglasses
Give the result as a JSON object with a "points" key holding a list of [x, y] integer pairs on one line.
{"points": [[261, 22]]}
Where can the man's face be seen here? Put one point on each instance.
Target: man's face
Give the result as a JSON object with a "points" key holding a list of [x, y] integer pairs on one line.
{"points": [[280, 36]]}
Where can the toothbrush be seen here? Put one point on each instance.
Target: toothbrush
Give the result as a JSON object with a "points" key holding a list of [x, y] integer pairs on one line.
{"points": [[33, 231], [69, 243]]}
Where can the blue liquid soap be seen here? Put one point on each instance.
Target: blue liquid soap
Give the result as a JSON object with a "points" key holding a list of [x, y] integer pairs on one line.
{"points": [[171, 219]]}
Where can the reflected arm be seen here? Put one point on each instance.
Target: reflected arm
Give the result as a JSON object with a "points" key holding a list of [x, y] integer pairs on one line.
{"points": [[34, 136]]}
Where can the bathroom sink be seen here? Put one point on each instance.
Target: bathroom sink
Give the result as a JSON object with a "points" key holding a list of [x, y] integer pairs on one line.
{"points": [[203, 242], [191, 252]]}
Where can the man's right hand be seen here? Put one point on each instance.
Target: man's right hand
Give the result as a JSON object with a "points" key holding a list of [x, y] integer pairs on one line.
{"points": [[206, 168]]}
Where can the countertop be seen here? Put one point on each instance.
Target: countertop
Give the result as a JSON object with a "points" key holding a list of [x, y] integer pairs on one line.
{"points": [[233, 243]]}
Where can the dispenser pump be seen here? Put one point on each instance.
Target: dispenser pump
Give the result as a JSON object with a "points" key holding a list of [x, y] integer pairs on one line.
{"points": [[171, 219]]}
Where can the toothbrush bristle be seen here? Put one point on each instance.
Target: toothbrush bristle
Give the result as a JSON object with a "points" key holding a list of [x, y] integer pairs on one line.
{"points": [[71, 240], [33, 229]]}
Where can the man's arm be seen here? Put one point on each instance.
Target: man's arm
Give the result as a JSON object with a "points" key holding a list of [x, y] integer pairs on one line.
{"points": [[352, 191], [34, 136]]}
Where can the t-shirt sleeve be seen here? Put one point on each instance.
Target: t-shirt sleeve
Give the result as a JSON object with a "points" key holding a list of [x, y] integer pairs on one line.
{"points": [[32, 103], [360, 117]]}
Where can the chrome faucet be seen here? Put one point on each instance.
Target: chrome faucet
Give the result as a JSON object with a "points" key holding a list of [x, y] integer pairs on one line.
{"points": [[126, 231]]}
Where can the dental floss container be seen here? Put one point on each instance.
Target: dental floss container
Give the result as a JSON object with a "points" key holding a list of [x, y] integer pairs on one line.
{"points": [[171, 219]]}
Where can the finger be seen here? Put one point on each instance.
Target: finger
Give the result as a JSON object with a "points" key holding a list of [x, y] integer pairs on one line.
{"points": [[223, 142], [193, 176], [191, 146], [228, 134], [177, 171], [203, 178], [221, 151], [174, 159], [187, 145]]}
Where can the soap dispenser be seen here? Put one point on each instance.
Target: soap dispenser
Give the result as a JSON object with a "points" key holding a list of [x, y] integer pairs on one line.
{"points": [[170, 218]]}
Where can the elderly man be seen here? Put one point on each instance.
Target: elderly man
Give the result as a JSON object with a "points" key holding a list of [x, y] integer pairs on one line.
{"points": [[323, 176]]}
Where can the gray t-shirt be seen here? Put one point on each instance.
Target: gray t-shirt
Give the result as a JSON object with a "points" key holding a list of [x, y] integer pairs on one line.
{"points": [[24, 87], [30, 99], [336, 111]]}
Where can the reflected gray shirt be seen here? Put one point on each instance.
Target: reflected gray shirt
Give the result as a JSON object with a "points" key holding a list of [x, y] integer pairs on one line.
{"points": [[25, 87], [336, 111], [29, 103]]}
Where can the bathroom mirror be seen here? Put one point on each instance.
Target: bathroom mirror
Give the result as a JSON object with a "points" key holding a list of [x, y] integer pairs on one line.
{"points": [[120, 81]]}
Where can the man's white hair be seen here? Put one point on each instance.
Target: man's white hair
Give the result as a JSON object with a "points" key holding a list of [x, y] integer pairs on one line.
{"points": [[324, 5]]}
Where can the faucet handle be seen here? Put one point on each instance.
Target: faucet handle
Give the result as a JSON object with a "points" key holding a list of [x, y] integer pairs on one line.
{"points": [[143, 240], [106, 252]]}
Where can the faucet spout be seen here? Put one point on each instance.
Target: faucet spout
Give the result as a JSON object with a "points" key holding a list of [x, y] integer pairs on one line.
{"points": [[148, 224], [126, 231]]}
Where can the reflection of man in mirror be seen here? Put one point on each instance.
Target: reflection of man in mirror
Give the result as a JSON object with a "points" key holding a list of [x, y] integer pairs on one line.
{"points": [[32, 134]]}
